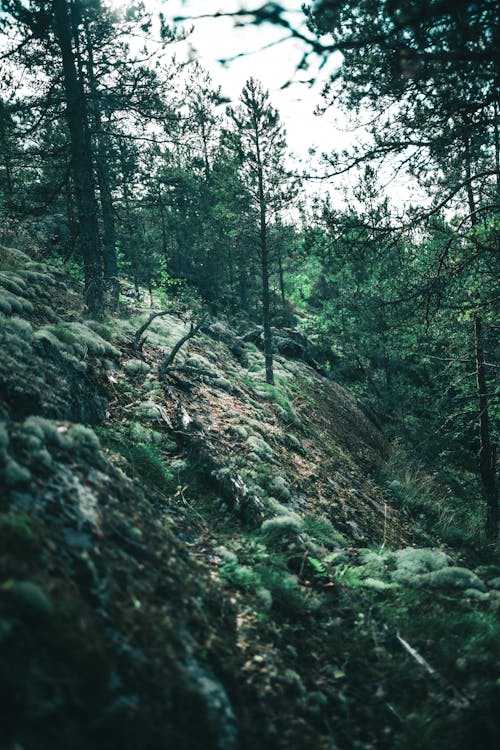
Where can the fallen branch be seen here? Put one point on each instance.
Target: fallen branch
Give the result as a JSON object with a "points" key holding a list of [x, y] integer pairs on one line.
{"points": [[418, 658], [164, 366], [138, 337], [240, 498], [459, 699]]}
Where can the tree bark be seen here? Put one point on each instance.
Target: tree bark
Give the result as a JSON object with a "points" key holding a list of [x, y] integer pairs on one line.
{"points": [[264, 259], [81, 163], [103, 182], [487, 452], [487, 457]]}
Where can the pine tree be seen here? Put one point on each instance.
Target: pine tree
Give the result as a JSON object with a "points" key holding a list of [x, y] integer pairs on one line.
{"points": [[257, 137]]}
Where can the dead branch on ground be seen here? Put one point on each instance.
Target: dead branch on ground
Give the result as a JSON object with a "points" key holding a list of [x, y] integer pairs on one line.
{"points": [[139, 334]]}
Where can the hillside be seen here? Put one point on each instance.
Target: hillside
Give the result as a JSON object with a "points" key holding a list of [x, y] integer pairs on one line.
{"points": [[196, 558]]}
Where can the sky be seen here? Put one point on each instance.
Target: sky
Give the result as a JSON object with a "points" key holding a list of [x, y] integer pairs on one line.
{"points": [[274, 66], [256, 51]]}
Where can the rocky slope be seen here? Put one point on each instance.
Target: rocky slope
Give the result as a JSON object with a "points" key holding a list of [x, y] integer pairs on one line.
{"points": [[202, 560]]}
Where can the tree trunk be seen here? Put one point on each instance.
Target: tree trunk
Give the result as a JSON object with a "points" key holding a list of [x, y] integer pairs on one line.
{"points": [[266, 310], [281, 276], [486, 449], [264, 259], [81, 163], [487, 457], [106, 200], [5, 150]]}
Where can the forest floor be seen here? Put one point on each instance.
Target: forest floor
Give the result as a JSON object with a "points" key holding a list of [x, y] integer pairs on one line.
{"points": [[205, 560]]}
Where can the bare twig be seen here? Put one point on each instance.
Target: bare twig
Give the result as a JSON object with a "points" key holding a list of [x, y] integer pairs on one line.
{"points": [[138, 337], [418, 658], [164, 367]]}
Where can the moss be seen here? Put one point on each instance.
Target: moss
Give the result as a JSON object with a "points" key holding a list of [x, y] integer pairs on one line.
{"points": [[249, 347], [13, 302], [11, 257], [84, 340], [46, 334], [140, 434], [294, 443], [42, 457], [265, 598], [15, 473], [151, 385], [477, 595], [4, 439], [105, 330], [146, 461], [83, 440], [238, 431], [277, 507], [378, 585], [281, 528], [20, 328], [135, 367], [412, 563], [287, 595], [179, 466], [5, 306], [148, 410], [28, 599], [224, 384], [259, 446], [278, 486], [199, 363], [323, 531], [18, 525], [283, 590], [454, 578], [46, 431], [13, 282]]}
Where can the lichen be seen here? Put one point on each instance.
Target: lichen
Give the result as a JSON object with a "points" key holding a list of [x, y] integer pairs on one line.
{"points": [[135, 367], [15, 474], [281, 528], [279, 487], [454, 578], [259, 446], [412, 563], [20, 327], [148, 410], [224, 384]]}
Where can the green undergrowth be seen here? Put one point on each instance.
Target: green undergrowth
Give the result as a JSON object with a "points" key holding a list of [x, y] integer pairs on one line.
{"points": [[418, 664], [425, 671], [274, 394], [145, 459], [266, 575], [437, 507]]}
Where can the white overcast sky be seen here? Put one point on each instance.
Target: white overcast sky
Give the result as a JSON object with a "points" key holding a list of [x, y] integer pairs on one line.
{"points": [[215, 38]]}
